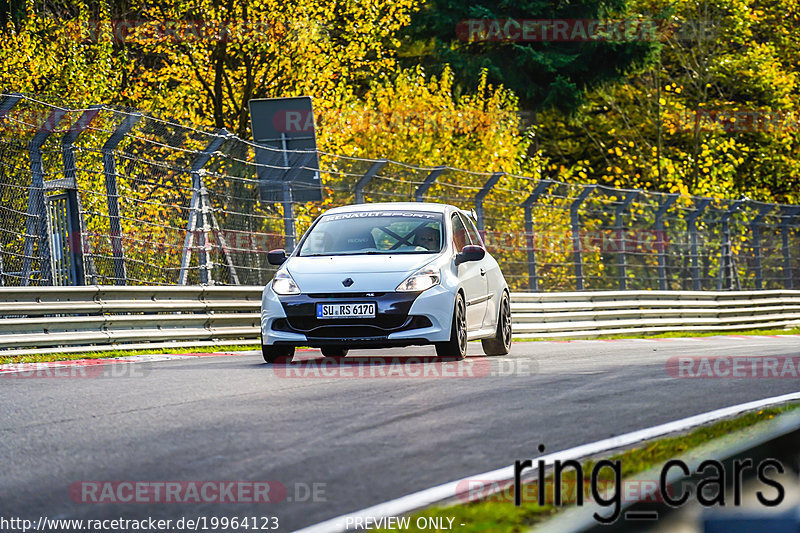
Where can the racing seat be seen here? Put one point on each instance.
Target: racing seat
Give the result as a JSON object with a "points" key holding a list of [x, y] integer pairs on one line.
{"points": [[357, 242]]}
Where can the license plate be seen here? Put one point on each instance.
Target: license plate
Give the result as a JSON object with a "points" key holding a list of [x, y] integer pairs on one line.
{"points": [[346, 310]]}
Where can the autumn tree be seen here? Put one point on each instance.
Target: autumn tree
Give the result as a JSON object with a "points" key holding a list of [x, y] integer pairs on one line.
{"points": [[674, 128], [545, 70], [225, 53]]}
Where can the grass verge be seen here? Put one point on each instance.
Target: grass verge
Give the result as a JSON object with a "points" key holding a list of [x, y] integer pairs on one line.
{"points": [[105, 354], [673, 335], [41, 358], [497, 513]]}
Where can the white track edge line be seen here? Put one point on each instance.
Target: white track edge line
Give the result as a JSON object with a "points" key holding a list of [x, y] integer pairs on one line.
{"points": [[449, 490]]}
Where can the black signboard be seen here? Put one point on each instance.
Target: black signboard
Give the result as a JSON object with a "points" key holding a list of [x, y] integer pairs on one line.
{"points": [[287, 153]]}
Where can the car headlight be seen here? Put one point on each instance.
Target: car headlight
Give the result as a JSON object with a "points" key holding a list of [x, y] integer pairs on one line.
{"points": [[283, 283], [421, 280]]}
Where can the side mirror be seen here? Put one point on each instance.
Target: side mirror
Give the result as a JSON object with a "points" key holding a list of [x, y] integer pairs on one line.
{"points": [[276, 257], [470, 252]]}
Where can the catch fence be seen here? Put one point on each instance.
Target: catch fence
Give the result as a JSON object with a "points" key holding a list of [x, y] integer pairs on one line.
{"points": [[105, 195]]}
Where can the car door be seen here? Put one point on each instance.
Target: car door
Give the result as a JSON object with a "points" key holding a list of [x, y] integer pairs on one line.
{"points": [[472, 275], [489, 271]]}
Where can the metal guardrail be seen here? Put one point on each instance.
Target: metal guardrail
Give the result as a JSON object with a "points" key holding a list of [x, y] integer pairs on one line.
{"points": [[575, 314], [105, 314], [76, 316]]}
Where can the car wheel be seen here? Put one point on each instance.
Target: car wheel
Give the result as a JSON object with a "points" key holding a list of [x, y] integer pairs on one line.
{"points": [[334, 352], [277, 354], [456, 347], [500, 344]]}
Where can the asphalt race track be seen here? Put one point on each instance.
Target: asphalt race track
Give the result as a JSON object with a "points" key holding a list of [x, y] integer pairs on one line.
{"points": [[335, 441]]}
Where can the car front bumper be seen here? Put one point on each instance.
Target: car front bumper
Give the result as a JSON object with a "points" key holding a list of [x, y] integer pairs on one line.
{"points": [[402, 319]]}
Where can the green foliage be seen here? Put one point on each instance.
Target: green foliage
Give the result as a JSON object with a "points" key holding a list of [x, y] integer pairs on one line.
{"points": [[717, 115], [46, 54], [543, 73], [639, 113], [261, 48], [417, 118]]}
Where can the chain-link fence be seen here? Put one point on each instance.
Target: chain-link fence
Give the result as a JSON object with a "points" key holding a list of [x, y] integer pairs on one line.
{"points": [[112, 196]]}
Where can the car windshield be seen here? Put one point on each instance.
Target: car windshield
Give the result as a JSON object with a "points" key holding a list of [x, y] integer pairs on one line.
{"points": [[375, 232]]}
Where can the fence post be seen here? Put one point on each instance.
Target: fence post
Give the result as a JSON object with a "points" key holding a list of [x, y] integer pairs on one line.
{"points": [[423, 188], [288, 199], [692, 226], [37, 222], [288, 217], [541, 187], [204, 263], [7, 104], [726, 267], [112, 194], [787, 217], [373, 169], [577, 249], [197, 214], [290, 186], [619, 228], [662, 241], [76, 223], [755, 229], [481, 196], [288, 205]]}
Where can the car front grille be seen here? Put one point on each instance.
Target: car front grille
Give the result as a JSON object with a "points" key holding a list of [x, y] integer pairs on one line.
{"points": [[327, 295], [379, 327], [381, 322]]}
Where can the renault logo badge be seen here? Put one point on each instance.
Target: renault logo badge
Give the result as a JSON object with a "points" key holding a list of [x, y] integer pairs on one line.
{"points": [[347, 282]]}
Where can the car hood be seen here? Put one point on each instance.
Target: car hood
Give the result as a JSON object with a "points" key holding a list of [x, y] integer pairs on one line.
{"points": [[370, 273]]}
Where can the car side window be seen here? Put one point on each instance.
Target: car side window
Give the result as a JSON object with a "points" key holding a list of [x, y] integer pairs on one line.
{"points": [[460, 236], [474, 236]]}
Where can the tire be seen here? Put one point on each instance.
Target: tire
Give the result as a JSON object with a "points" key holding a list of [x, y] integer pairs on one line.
{"points": [[456, 347], [335, 352], [277, 354], [500, 344]]}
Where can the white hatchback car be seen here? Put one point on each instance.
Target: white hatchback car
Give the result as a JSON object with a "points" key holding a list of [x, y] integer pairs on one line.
{"points": [[387, 274]]}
